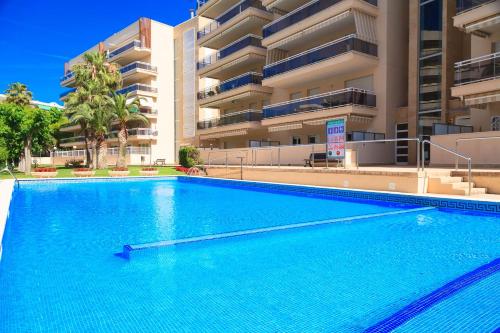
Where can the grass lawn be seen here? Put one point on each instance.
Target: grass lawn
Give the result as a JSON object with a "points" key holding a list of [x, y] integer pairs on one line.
{"points": [[63, 172]]}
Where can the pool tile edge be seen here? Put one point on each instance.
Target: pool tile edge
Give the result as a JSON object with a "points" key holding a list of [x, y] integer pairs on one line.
{"points": [[6, 189]]}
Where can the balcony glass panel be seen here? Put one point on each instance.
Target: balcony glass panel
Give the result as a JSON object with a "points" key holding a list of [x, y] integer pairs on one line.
{"points": [[236, 82], [250, 40], [68, 76], [232, 12], [320, 53], [441, 129], [73, 139], [138, 65], [232, 118], [300, 14], [333, 99], [137, 87], [124, 48], [478, 69], [463, 5]]}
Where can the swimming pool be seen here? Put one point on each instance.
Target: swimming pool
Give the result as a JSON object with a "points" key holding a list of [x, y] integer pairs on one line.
{"points": [[60, 271]]}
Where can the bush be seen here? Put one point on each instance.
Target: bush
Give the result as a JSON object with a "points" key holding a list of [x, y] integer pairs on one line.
{"points": [[189, 156], [73, 164]]}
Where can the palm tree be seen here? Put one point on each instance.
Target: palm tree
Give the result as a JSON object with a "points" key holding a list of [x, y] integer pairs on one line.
{"points": [[124, 109], [18, 94], [95, 80]]}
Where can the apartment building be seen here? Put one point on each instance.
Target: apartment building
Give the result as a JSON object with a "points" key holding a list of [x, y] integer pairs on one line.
{"points": [[145, 52], [277, 70]]}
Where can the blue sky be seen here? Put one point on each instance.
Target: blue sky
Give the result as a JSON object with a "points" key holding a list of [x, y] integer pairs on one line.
{"points": [[38, 36]]}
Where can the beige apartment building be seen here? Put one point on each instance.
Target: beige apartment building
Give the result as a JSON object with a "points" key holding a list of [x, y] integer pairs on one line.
{"points": [[157, 65], [277, 70]]}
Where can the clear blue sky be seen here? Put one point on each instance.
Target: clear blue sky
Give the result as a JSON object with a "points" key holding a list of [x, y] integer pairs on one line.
{"points": [[38, 36]]}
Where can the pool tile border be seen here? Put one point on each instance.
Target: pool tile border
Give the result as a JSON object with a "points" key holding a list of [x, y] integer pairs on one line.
{"points": [[326, 192], [6, 189]]}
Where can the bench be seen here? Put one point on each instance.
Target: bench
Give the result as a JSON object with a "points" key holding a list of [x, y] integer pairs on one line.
{"points": [[318, 158], [161, 161]]}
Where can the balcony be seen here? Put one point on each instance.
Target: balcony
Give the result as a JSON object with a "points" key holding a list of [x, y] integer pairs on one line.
{"points": [[139, 89], [332, 104], [243, 87], [134, 134], [241, 120], [129, 52], [214, 8], [348, 54], [243, 53], [246, 17], [478, 78], [137, 71], [302, 13], [285, 6], [67, 79], [482, 16], [72, 141]]}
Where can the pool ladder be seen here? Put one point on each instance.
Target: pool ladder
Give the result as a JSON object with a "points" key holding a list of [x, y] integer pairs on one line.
{"points": [[13, 176]]}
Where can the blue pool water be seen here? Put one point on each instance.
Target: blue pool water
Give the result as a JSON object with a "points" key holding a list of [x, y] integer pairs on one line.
{"points": [[59, 271]]}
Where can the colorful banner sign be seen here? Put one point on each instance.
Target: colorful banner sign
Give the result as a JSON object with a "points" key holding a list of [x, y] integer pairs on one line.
{"points": [[335, 139]]}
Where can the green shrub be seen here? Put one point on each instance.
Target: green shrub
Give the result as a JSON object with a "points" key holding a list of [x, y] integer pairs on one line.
{"points": [[73, 164], [189, 156]]}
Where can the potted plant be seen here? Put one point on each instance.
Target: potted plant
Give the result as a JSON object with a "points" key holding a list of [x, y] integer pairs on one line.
{"points": [[149, 171], [48, 172], [83, 172], [119, 172]]}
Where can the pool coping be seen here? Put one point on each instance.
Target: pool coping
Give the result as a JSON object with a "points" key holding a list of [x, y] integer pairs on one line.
{"points": [[6, 189], [440, 201]]}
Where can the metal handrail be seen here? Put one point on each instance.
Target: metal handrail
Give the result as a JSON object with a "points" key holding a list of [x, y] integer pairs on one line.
{"points": [[468, 159], [417, 140], [12, 174], [470, 139]]}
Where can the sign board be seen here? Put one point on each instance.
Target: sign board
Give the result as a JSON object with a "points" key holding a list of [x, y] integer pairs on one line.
{"points": [[335, 139]]}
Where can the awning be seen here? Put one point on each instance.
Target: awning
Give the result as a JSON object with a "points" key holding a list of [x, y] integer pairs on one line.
{"points": [[359, 119], [223, 134], [483, 24], [285, 127], [366, 27], [482, 99]]}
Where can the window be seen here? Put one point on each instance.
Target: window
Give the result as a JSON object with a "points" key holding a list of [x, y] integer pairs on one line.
{"points": [[365, 83], [313, 91], [295, 95], [495, 123], [312, 139], [296, 140]]}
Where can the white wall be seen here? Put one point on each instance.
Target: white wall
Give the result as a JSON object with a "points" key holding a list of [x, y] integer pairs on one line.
{"points": [[162, 56]]}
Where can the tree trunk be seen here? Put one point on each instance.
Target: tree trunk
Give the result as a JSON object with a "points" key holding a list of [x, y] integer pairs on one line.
{"points": [[94, 153], [122, 152], [27, 156], [101, 152]]}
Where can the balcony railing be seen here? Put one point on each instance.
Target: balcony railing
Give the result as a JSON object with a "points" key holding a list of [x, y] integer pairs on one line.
{"points": [[138, 65], [73, 139], [229, 14], [478, 69], [320, 53], [333, 99], [464, 5], [134, 132], [68, 76], [233, 83], [135, 43], [248, 40], [309, 9], [64, 94], [231, 118], [137, 87], [148, 111]]}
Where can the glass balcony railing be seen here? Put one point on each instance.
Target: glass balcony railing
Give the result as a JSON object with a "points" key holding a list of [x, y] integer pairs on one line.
{"points": [[464, 5], [248, 40], [137, 87], [233, 83], [320, 53], [333, 99], [135, 43], [229, 14], [148, 111], [309, 9], [138, 65], [231, 118], [134, 132], [66, 93], [68, 76], [73, 139], [478, 69]]}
